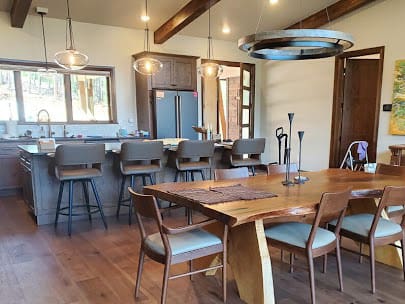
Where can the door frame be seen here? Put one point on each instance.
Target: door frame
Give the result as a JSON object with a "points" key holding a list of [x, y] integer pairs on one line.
{"points": [[252, 101], [338, 97]]}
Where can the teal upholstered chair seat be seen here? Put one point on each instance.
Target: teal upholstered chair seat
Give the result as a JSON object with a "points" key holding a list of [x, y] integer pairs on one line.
{"points": [[361, 225], [391, 209], [184, 242], [297, 234]]}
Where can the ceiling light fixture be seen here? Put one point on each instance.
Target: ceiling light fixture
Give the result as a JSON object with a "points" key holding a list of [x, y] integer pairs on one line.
{"points": [[145, 18], [147, 65], [70, 58], [210, 69], [226, 29], [272, 2], [42, 12], [295, 44]]}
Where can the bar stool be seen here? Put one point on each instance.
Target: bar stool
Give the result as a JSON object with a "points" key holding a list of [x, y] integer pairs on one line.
{"points": [[79, 163], [138, 159], [194, 156], [253, 147]]}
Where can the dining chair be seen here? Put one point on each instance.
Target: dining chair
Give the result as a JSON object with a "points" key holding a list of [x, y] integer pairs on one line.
{"points": [[171, 246], [223, 174], [277, 169], [392, 211], [246, 152], [373, 229], [311, 240]]}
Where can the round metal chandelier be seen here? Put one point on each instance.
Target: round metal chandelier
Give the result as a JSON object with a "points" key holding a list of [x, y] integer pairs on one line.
{"points": [[297, 44]]}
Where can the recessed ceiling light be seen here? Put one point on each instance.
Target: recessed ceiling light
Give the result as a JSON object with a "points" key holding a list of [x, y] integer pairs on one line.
{"points": [[145, 18], [226, 29], [272, 2]]}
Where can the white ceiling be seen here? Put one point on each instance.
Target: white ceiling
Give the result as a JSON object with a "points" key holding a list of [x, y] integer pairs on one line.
{"points": [[240, 15]]}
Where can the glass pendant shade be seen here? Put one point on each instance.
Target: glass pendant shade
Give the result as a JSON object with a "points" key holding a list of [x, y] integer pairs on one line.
{"points": [[71, 59], [147, 66], [210, 70]]}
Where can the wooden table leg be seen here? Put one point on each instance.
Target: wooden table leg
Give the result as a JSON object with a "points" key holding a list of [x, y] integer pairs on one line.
{"points": [[249, 258]]}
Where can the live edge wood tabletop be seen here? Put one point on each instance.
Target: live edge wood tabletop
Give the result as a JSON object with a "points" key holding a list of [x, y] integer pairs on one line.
{"points": [[248, 253]]}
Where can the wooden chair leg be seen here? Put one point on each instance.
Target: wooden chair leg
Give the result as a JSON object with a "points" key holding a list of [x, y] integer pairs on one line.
{"points": [[311, 276], [372, 266], [325, 263], [224, 273], [120, 197], [339, 264], [70, 207], [100, 208], [291, 262], [165, 281], [361, 252], [190, 268], [61, 186], [139, 273], [403, 255]]}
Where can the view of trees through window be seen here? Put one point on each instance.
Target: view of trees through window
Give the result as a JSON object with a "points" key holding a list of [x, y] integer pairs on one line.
{"points": [[25, 92]]}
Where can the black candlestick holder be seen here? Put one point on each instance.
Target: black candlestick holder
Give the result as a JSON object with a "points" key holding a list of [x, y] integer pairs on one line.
{"points": [[287, 181], [300, 179]]}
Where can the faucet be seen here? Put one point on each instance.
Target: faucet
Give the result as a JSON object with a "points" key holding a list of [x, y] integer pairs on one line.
{"points": [[48, 121]]}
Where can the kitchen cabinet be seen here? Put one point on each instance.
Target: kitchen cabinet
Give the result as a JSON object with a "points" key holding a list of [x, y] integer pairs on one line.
{"points": [[10, 179], [178, 73]]}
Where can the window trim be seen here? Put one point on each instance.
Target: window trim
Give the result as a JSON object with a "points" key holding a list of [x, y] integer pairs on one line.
{"points": [[24, 65]]}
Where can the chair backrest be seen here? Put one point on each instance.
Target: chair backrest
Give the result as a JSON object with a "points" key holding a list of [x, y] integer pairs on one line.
{"points": [[277, 169], [141, 150], [79, 154], [195, 148], [390, 170], [331, 206], [248, 146], [222, 174], [392, 196], [147, 207]]}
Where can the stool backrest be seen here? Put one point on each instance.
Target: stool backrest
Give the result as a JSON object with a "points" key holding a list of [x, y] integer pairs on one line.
{"points": [[195, 149], [141, 150], [79, 154], [253, 146]]}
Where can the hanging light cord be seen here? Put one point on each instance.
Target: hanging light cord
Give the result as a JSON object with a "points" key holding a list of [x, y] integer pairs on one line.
{"points": [[69, 30], [43, 36], [146, 45], [260, 18], [210, 45]]}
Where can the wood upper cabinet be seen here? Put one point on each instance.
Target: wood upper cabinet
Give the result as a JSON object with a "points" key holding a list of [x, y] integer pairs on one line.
{"points": [[178, 73]]}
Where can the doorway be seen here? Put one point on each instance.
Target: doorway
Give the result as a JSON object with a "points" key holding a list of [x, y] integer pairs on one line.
{"points": [[356, 102], [228, 101]]}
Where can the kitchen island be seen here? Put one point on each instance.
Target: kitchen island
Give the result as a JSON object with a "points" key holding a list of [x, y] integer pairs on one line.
{"points": [[40, 186]]}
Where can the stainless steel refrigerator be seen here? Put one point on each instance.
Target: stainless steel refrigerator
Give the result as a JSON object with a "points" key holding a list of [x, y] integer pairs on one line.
{"points": [[175, 114]]}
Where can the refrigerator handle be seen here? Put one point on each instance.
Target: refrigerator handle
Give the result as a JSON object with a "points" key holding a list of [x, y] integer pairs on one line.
{"points": [[179, 133], [177, 111]]}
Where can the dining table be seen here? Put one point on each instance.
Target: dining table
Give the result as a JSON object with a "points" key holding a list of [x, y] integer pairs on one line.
{"points": [[248, 253]]}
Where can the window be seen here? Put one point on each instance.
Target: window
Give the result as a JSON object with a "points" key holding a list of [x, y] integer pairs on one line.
{"points": [[70, 97]]}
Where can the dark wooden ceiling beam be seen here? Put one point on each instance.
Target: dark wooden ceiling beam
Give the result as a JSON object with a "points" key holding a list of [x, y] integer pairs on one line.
{"points": [[190, 12], [19, 12], [334, 11]]}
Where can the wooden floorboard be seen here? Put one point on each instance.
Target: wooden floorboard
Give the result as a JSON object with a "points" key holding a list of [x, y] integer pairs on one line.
{"points": [[44, 265]]}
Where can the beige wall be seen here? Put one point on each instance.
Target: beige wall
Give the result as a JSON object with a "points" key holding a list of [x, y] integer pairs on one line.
{"points": [[105, 45], [306, 87]]}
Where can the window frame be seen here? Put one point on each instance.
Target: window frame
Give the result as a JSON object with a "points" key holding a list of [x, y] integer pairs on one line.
{"points": [[23, 65]]}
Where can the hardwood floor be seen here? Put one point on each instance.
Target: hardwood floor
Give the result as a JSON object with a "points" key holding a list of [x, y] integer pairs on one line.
{"points": [[41, 265]]}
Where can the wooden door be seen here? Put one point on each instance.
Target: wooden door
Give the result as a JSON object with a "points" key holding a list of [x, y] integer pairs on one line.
{"points": [[247, 91], [356, 102]]}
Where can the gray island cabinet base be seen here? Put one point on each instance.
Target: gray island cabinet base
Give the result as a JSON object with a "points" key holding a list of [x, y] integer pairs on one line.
{"points": [[40, 186]]}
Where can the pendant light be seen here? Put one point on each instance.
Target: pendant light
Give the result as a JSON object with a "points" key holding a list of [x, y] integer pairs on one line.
{"points": [[295, 44], [42, 12], [210, 69], [147, 65], [70, 58]]}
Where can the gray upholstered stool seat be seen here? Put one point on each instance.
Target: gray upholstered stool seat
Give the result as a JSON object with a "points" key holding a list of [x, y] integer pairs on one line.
{"points": [[246, 152], [194, 156], [79, 163], [138, 158]]}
